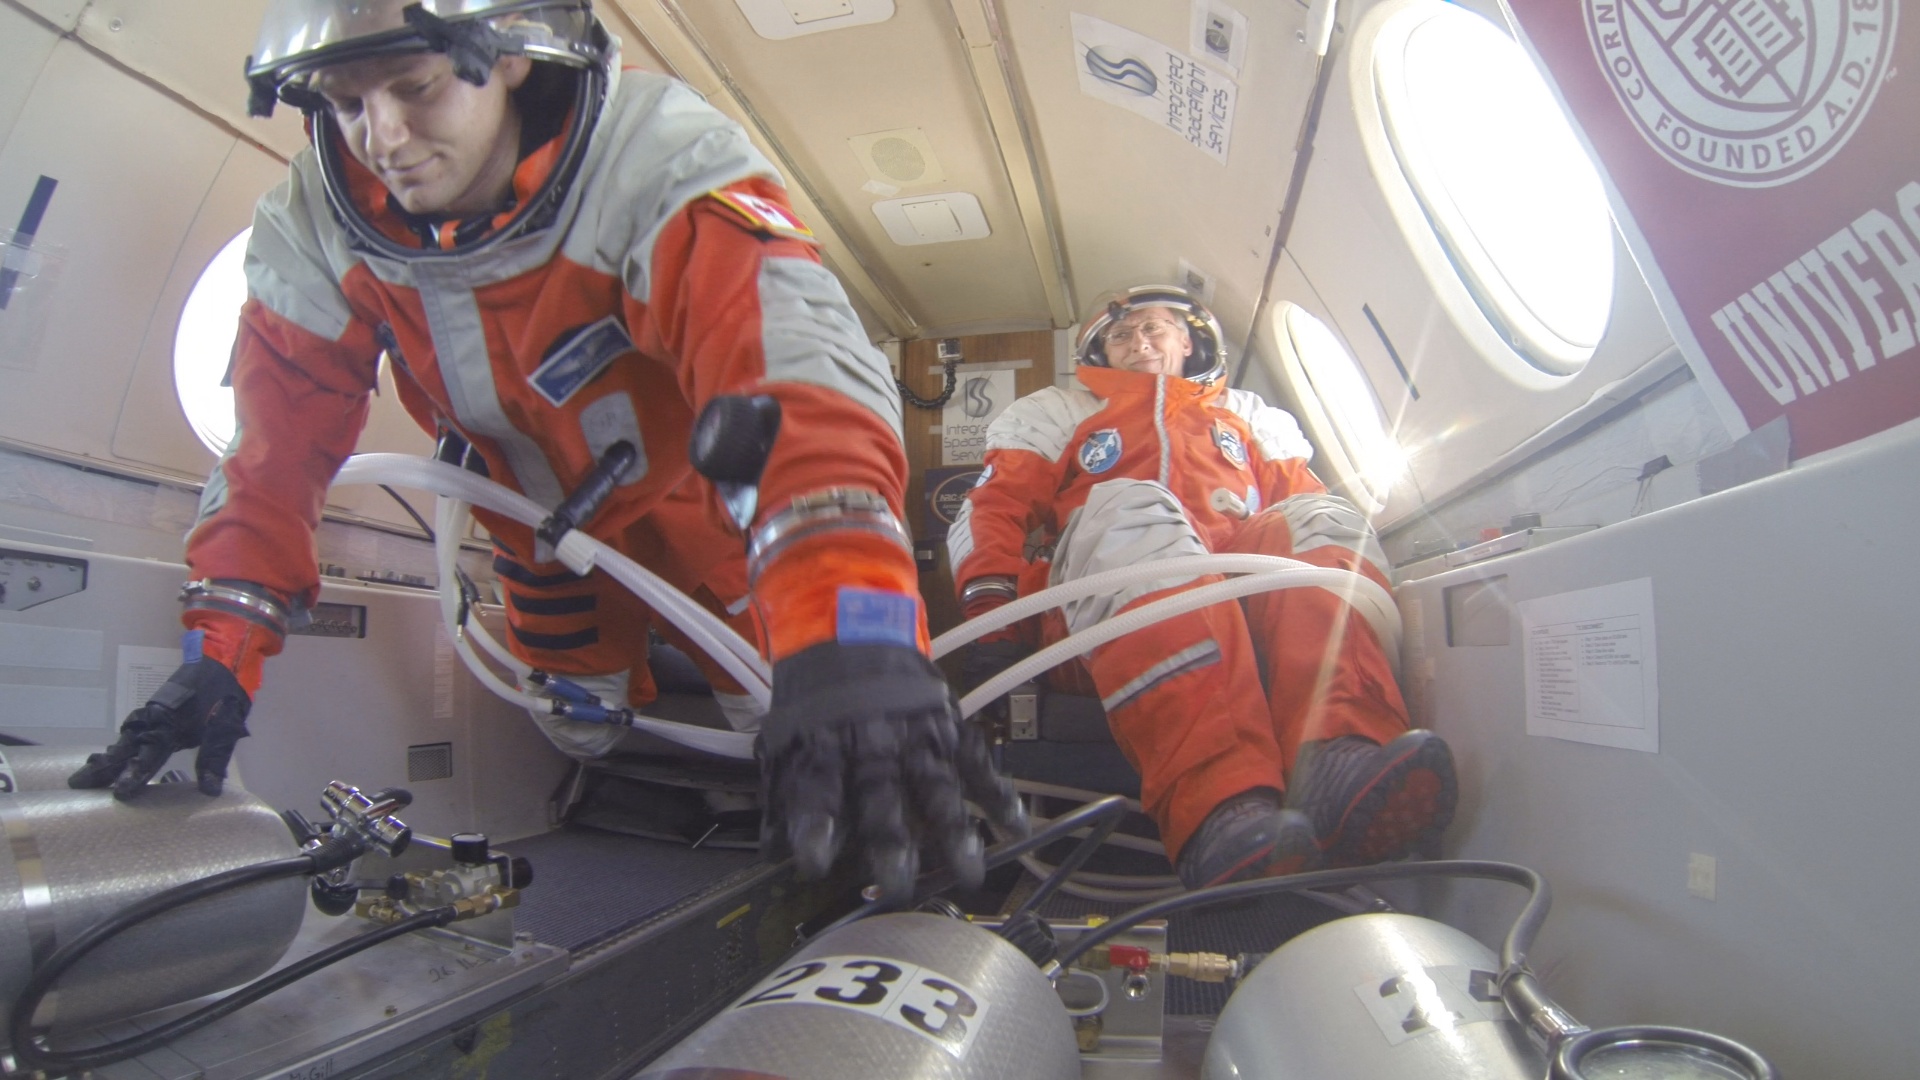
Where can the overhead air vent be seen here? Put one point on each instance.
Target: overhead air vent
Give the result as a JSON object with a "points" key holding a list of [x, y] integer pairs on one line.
{"points": [[780, 19], [897, 159], [429, 761], [933, 219]]}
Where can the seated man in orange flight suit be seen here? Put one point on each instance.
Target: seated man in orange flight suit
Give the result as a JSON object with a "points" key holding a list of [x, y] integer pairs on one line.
{"points": [[563, 259], [1149, 455]]}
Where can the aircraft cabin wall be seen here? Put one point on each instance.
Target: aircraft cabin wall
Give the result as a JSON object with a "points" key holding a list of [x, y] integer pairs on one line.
{"points": [[1783, 754]]}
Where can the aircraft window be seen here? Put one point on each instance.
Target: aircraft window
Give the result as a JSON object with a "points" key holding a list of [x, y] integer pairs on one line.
{"points": [[203, 344], [1366, 451], [1506, 186]]}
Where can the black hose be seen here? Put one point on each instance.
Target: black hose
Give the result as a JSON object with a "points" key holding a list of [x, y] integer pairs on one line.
{"points": [[949, 380], [31, 1048], [411, 512], [1513, 952], [1109, 810]]}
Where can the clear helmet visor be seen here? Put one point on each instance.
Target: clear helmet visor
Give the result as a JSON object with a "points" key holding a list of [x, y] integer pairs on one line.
{"points": [[1209, 359]]}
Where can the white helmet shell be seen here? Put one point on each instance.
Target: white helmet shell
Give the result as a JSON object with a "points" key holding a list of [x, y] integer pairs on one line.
{"points": [[1208, 363], [299, 36]]}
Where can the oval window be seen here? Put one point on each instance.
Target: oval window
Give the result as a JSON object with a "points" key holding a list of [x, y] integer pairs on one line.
{"points": [[1365, 450], [1506, 186], [203, 344]]}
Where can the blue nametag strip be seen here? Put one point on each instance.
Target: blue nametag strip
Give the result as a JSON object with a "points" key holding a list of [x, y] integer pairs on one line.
{"points": [[876, 617], [191, 645], [577, 362]]}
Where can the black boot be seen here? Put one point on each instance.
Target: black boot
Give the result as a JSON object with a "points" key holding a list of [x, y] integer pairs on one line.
{"points": [[1371, 803], [1248, 836]]}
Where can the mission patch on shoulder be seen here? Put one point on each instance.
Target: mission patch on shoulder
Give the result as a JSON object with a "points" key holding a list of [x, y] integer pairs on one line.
{"points": [[765, 215]]}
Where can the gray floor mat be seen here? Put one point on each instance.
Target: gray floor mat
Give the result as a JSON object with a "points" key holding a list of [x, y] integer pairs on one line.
{"points": [[590, 886]]}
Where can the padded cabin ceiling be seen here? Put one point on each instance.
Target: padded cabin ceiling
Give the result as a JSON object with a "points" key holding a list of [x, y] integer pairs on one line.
{"points": [[991, 87], [977, 100]]}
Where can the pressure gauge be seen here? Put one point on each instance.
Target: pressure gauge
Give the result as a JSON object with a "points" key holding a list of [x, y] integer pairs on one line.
{"points": [[1657, 1053]]}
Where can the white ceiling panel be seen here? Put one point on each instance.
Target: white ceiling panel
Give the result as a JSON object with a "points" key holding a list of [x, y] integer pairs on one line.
{"points": [[132, 169], [152, 430], [197, 50], [25, 44], [815, 93], [64, 14], [1134, 197]]}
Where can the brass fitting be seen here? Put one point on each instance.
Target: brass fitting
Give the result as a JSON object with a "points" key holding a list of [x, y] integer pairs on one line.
{"points": [[1202, 966]]}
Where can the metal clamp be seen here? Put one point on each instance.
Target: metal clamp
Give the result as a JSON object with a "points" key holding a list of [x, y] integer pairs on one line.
{"points": [[232, 598], [989, 585], [823, 511]]}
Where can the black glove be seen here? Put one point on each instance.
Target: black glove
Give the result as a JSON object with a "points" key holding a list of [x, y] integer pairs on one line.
{"points": [[866, 740], [982, 660], [202, 705]]}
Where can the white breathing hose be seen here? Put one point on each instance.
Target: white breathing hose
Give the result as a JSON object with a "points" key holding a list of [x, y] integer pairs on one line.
{"points": [[450, 519], [1147, 614], [580, 552], [1366, 595], [455, 488]]}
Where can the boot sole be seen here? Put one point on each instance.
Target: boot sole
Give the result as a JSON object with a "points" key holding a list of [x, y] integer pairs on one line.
{"points": [[1408, 805], [1293, 852]]}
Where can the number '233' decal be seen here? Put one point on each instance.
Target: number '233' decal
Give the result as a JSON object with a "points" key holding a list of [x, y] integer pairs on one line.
{"points": [[918, 999]]}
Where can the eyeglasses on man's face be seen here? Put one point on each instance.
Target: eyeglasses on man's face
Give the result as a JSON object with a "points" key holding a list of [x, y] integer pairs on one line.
{"points": [[1120, 333]]}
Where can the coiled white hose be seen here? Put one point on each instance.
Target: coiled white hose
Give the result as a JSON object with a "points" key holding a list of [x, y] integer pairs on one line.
{"points": [[1363, 593], [1166, 607], [456, 488], [580, 552]]}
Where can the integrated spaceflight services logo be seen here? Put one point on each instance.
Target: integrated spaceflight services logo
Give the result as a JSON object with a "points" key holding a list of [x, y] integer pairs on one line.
{"points": [[1747, 93]]}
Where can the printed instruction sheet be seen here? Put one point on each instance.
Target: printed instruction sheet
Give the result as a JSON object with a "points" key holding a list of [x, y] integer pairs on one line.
{"points": [[1592, 675]]}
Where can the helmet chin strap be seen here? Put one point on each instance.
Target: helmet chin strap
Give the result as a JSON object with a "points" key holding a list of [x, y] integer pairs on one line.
{"points": [[472, 45]]}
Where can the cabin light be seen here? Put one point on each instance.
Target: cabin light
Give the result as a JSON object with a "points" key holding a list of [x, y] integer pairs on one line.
{"points": [[1657, 1053], [203, 344], [777, 20], [933, 219]]}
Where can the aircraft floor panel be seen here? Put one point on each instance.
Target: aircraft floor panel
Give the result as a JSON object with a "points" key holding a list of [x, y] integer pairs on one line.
{"points": [[603, 884]]}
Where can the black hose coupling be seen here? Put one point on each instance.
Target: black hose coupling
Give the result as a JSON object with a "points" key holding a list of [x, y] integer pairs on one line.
{"points": [[732, 440], [578, 508]]}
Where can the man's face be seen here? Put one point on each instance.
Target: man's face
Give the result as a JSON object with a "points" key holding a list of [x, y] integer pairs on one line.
{"points": [[1153, 340], [440, 144]]}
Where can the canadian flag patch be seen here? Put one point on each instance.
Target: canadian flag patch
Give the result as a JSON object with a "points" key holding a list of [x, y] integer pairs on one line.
{"points": [[766, 215]]}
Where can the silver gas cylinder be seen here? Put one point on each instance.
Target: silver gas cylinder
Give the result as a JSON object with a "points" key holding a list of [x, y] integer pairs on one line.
{"points": [[1373, 997], [71, 858], [892, 997], [40, 768]]}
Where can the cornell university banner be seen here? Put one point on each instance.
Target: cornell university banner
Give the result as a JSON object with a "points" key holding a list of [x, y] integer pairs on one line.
{"points": [[1764, 156]]}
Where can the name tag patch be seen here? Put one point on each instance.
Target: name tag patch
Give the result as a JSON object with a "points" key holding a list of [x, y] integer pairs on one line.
{"points": [[766, 215], [575, 364]]}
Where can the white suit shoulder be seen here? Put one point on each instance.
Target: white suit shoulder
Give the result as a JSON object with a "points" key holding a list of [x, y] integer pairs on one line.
{"points": [[1276, 434], [1044, 421]]}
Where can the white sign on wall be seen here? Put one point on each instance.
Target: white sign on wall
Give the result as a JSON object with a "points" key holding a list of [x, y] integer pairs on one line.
{"points": [[1163, 84], [1591, 666], [979, 395]]}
